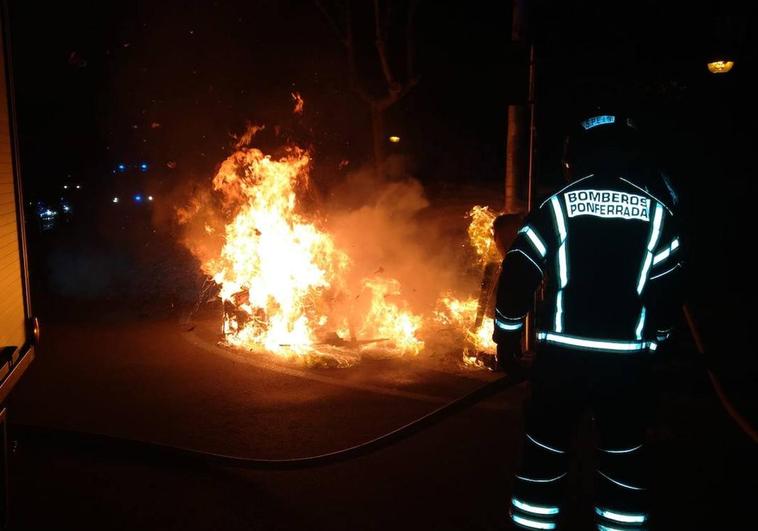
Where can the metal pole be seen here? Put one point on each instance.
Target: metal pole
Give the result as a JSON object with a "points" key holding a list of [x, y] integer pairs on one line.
{"points": [[514, 160], [529, 326]]}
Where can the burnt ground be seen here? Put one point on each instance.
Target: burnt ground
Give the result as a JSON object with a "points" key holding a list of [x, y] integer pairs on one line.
{"points": [[131, 368]]}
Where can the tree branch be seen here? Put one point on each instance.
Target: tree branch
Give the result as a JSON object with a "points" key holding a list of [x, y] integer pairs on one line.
{"points": [[333, 23], [410, 42], [392, 85], [351, 65]]}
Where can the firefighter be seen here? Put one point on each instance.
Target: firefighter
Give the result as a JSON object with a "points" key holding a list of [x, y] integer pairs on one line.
{"points": [[607, 250]]}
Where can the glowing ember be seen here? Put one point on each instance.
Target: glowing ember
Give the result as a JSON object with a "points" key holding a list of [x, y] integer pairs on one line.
{"points": [[299, 103]]}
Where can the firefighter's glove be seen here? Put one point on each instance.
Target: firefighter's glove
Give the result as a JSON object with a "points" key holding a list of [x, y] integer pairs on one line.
{"points": [[509, 356]]}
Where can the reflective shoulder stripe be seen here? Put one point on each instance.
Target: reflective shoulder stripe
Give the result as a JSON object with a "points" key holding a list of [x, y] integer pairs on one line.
{"points": [[559, 192], [539, 245], [648, 193], [559, 219], [529, 257]]}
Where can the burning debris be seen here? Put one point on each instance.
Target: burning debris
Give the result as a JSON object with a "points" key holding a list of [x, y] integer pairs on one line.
{"points": [[289, 288], [281, 276]]}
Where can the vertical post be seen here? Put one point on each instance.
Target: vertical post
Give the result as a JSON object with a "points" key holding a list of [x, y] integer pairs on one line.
{"points": [[514, 159], [529, 326]]}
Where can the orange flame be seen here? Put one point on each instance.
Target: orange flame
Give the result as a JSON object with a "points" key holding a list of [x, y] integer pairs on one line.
{"points": [[279, 273], [299, 103]]}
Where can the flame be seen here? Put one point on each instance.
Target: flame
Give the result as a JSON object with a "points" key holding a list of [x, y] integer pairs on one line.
{"points": [[279, 272], [480, 233], [385, 319], [299, 103], [461, 314]]}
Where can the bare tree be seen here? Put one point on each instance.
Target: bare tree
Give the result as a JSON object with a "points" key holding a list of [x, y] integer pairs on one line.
{"points": [[394, 88]]}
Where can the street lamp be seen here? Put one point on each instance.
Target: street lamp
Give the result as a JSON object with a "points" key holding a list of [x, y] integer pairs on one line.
{"points": [[720, 67]]}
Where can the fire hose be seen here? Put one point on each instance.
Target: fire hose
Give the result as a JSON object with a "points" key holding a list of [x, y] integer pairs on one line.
{"points": [[144, 450], [125, 448], [729, 408]]}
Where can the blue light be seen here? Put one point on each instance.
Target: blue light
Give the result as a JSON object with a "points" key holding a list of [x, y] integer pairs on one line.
{"points": [[121, 167], [143, 166], [589, 123], [138, 198]]}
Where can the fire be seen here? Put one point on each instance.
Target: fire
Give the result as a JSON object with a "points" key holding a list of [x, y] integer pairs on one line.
{"points": [[480, 233], [299, 103], [469, 316], [280, 273], [461, 314]]}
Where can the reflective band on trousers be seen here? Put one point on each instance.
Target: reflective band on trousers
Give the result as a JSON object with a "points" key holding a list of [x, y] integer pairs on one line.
{"points": [[624, 518], [508, 326], [601, 527], [559, 311], [532, 524], [535, 239], [534, 509], [545, 446], [596, 344]]}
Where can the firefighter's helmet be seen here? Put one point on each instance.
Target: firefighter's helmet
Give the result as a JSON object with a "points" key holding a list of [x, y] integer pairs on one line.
{"points": [[601, 139]]}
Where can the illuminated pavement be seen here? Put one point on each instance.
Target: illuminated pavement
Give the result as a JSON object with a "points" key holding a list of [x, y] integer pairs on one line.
{"points": [[154, 380]]}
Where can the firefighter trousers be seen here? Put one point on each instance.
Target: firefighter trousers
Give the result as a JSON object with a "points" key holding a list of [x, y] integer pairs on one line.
{"points": [[565, 384]]}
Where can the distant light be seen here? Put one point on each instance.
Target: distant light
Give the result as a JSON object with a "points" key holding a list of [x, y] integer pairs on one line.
{"points": [[65, 187], [138, 198], [720, 67], [121, 167], [78, 186], [143, 166], [115, 199], [150, 198], [394, 139], [66, 208]]}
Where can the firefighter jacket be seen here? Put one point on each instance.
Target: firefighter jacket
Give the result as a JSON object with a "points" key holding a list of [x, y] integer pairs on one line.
{"points": [[609, 253]]}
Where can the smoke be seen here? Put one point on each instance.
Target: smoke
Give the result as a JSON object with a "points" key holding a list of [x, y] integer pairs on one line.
{"points": [[386, 226]]}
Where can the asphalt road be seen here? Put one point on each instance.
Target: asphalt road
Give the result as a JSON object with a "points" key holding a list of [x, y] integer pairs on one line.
{"points": [[155, 380]]}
